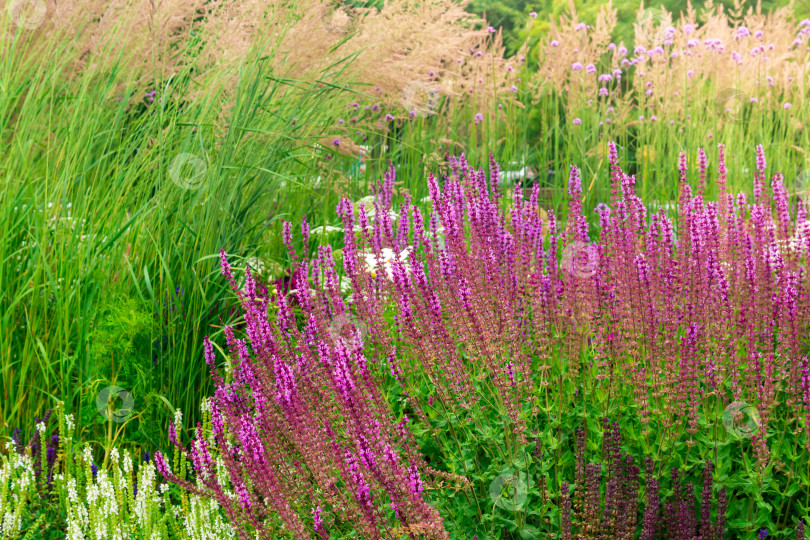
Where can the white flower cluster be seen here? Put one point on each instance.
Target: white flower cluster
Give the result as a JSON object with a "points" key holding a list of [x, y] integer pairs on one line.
{"points": [[371, 210], [16, 489], [386, 261], [115, 501], [203, 521], [109, 508]]}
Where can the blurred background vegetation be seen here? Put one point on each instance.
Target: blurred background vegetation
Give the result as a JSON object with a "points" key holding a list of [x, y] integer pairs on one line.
{"points": [[510, 15]]}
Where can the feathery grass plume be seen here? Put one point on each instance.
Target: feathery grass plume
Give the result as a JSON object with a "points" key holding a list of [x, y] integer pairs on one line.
{"points": [[755, 54], [391, 47], [734, 77], [569, 57]]}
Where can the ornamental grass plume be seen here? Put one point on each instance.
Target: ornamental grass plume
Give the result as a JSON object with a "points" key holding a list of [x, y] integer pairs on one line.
{"points": [[740, 58], [391, 47]]}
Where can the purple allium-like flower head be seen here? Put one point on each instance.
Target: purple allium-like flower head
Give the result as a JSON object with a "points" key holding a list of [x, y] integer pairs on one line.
{"points": [[576, 66], [478, 118], [741, 32]]}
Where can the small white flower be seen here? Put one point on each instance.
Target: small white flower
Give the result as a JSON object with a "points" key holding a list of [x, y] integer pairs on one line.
{"points": [[345, 284], [323, 230], [386, 260], [87, 453]]}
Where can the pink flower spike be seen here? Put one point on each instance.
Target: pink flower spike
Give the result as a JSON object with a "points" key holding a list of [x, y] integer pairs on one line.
{"points": [[226, 267]]}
